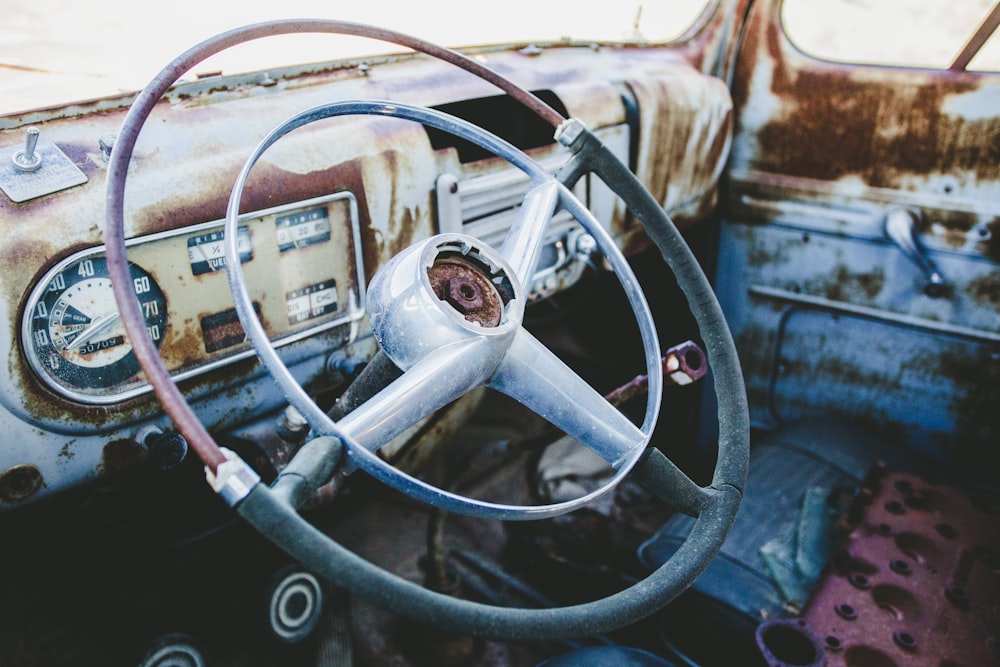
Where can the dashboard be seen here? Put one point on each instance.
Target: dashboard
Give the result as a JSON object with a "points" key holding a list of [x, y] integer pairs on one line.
{"points": [[323, 210]]}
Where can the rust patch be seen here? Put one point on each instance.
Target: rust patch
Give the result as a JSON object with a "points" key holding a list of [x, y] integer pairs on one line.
{"points": [[67, 451], [876, 123], [684, 135], [985, 290], [847, 286], [467, 287], [837, 126]]}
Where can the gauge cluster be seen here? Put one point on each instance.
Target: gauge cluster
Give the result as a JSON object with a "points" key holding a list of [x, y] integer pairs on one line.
{"points": [[302, 263]]}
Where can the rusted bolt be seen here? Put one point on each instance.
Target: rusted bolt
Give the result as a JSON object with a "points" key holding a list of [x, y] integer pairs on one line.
{"points": [[946, 530], [685, 363], [904, 640], [860, 581], [900, 566], [846, 611], [895, 507], [470, 287], [464, 295], [20, 482], [833, 643]]}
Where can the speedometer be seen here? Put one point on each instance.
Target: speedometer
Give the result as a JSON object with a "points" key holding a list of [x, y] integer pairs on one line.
{"points": [[73, 336]]}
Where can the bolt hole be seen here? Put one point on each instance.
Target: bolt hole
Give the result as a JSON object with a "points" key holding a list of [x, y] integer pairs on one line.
{"points": [[899, 566], [957, 595], [788, 645], [833, 643], [904, 640], [846, 611], [692, 359], [946, 530], [895, 507]]}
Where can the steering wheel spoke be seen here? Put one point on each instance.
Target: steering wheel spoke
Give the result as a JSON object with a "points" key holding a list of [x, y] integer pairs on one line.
{"points": [[526, 236], [537, 378], [437, 379]]}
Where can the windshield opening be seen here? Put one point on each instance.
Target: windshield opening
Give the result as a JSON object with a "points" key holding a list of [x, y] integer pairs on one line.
{"points": [[57, 51]]}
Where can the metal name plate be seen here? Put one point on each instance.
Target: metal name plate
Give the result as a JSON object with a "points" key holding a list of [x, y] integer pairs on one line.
{"points": [[56, 172]]}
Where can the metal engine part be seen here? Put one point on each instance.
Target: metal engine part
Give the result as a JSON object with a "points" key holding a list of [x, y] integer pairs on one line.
{"points": [[918, 581]]}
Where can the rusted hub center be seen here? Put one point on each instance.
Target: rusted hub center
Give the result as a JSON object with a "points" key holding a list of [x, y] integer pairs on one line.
{"points": [[467, 288]]}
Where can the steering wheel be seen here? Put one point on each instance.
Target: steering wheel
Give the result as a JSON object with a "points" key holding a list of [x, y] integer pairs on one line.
{"points": [[460, 328]]}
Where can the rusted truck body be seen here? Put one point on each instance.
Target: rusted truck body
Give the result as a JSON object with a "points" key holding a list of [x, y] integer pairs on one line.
{"points": [[538, 353]]}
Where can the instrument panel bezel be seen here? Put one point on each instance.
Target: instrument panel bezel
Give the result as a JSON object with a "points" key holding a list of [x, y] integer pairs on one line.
{"points": [[354, 304]]}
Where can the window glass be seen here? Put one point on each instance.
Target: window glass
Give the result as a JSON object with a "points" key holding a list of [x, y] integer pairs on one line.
{"points": [[54, 51], [909, 33]]}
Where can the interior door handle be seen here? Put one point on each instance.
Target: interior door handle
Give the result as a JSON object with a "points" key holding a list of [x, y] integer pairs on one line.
{"points": [[901, 228]]}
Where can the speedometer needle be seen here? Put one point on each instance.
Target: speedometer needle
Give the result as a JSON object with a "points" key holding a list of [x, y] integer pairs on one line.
{"points": [[97, 326]]}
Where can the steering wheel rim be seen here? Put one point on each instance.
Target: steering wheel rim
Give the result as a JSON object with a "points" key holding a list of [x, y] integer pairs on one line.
{"points": [[714, 506], [426, 328]]}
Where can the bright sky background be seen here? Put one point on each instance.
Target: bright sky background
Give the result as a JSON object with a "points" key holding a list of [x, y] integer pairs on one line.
{"points": [[55, 51]]}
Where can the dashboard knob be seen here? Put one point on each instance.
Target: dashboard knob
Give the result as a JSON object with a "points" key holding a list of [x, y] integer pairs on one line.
{"points": [[167, 449], [28, 159]]}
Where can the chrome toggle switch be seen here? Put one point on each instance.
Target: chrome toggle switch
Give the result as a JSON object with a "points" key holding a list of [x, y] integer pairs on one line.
{"points": [[28, 159]]}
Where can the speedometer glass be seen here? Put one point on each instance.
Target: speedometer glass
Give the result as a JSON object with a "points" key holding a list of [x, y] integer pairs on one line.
{"points": [[76, 337]]}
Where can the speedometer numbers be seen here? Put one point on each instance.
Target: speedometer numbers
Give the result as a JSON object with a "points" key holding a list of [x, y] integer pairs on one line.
{"points": [[74, 336]]}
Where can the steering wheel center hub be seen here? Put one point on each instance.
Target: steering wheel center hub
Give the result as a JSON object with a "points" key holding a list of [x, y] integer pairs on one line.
{"points": [[443, 290], [465, 285]]}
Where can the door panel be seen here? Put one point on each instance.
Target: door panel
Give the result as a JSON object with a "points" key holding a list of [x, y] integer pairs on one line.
{"points": [[831, 314]]}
